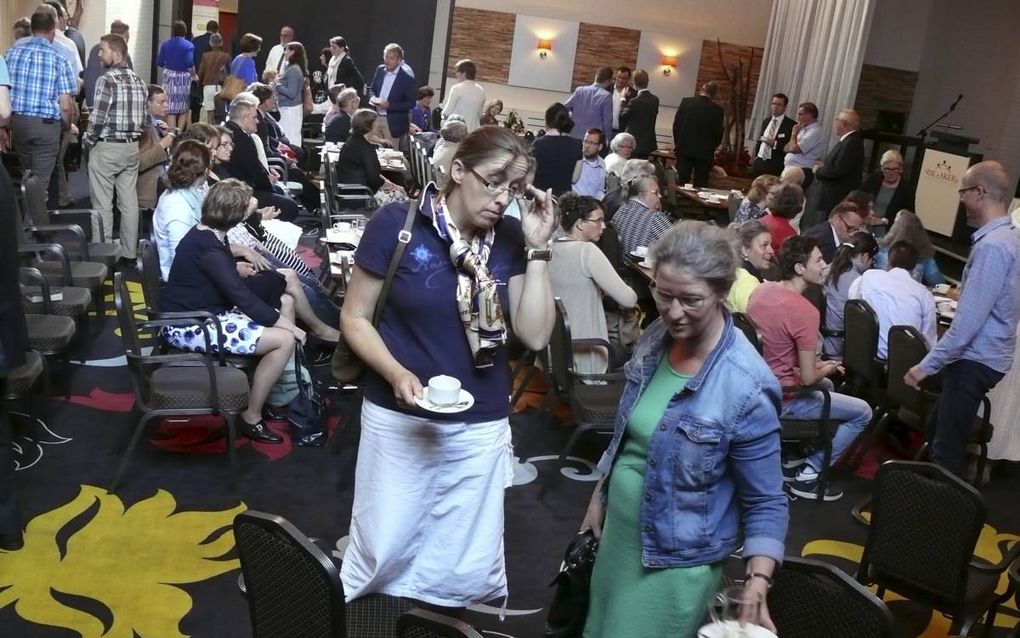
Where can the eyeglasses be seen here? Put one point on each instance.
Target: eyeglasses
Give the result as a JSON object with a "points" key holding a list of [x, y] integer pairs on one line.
{"points": [[655, 192], [665, 299], [849, 228], [969, 188], [892, 169], [495, 190], [596, 220]]}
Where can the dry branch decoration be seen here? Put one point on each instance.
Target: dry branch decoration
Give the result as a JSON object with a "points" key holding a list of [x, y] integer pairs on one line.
{"points": [[731, 155]]}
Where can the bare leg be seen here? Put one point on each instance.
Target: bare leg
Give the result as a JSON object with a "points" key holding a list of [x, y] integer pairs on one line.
{"points": [[276, 346], [303, 309]]}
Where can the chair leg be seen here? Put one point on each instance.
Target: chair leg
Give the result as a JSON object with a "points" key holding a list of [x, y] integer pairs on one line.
{"points": [[231, 420], [135, 437], [572, 441], [523, 386]]}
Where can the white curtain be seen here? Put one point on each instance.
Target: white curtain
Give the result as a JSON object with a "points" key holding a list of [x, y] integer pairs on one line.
{"points": [[813, 53]]}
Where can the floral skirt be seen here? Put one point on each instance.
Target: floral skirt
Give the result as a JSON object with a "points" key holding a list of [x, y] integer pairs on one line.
{"points": [[177, 85], [240, 335]]}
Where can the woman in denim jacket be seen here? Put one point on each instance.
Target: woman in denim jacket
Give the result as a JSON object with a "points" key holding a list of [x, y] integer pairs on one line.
{"points": [[693, 469]]}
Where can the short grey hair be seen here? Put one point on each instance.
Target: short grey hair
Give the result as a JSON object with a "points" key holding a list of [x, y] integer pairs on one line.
{"points": [[636, 169], [453, 131], [346, 96], [238, 106], [698, 249], [362, 121], [620, 139], [244, 97], [393, 46], [892, 155]]}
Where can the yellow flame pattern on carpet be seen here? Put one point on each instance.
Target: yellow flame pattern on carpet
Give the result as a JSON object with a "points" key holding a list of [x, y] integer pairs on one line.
{"points": [[129, 560]]}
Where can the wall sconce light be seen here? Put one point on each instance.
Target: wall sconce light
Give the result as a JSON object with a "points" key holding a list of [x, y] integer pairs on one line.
{"points": [[544, 46], [668, 64]]}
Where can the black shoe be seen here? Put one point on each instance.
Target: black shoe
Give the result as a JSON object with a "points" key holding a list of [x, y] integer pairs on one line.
{"points": [[124, 263], [259, 432], [12, 542], [274, 413]]}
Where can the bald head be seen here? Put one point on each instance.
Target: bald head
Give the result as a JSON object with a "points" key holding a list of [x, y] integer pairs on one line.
{"points": [[992, 179]]}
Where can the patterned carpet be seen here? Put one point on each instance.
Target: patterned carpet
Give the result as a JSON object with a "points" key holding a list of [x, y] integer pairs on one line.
{"points": [[157, 559]]}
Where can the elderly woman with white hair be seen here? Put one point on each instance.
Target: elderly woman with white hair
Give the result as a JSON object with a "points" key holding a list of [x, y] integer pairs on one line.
{"points": [[693, 469], [632, 169], [892, 192], [622, 147]]}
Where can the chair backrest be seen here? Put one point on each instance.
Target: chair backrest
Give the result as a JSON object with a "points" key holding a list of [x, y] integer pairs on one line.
{"points": [[860, 339], [811, 598], [560, 351], [126, 317], [743, 323], [33, 199], [733, 205], [906, 349], [925, 524], [152, 279], [293, 587]]}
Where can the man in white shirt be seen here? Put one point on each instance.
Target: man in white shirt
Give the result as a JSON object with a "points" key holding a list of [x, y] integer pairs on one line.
{"points": [[65, 45], [622, 91], [276, 61], [807, 142], [896, 298]]}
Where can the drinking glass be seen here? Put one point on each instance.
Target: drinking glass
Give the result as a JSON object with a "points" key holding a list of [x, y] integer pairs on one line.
{"points": [[735, 608]]}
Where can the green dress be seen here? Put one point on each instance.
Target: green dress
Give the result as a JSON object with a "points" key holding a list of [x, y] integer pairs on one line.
{"points": [[628, 599]]}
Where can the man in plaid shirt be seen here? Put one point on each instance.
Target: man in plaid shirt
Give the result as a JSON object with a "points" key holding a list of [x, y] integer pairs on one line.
{"points": [[113, 134], [42, 90]]}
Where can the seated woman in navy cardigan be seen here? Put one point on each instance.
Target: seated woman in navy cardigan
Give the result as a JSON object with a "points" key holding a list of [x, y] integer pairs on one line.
{"points": [[203, 277]]}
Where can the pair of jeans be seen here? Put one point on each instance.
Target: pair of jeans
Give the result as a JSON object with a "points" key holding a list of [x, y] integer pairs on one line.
{"points": [[964, 383], [852, 415]]}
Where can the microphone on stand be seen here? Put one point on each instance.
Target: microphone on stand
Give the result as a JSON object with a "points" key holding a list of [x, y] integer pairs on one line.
{"points": [[959, 97]]}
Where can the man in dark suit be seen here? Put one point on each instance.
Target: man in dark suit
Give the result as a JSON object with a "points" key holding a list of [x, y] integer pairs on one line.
{"points": [[697, 131], [845, 220], [840, 171], [774, 134], [244, 163], [201, 42], [639, 114], [393, 96], [622, 91]]}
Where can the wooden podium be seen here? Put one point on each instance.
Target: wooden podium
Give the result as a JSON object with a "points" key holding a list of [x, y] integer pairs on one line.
{"points": [[938, 176]]}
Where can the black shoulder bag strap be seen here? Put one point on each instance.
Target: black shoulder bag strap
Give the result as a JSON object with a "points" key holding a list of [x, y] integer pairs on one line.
{"points": [[403, 238]]}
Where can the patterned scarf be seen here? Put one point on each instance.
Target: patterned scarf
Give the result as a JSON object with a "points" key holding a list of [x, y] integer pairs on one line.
{"points": [[477, 297]]}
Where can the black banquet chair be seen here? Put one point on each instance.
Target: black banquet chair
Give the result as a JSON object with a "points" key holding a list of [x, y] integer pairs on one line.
{"points": [[811, 599], [924, 527]]}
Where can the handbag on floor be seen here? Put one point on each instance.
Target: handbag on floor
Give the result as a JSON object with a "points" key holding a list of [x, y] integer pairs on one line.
{"points": [[346, 366], [305, 414], [569, 607]]}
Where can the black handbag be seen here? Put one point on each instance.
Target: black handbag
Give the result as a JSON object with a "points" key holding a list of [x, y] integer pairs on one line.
{"points": [[569, 606], [306, 415]]}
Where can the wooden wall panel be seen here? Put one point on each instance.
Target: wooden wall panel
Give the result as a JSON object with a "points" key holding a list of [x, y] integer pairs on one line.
{"points": [[599, 45], [711, 67], [884, 88], [485, 37]]}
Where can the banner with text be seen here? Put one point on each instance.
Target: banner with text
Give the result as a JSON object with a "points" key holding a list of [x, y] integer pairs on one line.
{"points": [[202, 12], [938, 196]]}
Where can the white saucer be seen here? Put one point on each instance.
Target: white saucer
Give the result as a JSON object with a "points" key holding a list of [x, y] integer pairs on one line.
{"points": [[464, 402], [714, 630]]}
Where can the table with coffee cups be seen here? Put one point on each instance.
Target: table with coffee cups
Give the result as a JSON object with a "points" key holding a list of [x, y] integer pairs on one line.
{"points": [[637, 260], [946, 297], [342, 241]]}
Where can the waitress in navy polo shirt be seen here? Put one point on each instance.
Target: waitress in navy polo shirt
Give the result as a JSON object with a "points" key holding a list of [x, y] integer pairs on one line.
{"points": [[428, 500]]}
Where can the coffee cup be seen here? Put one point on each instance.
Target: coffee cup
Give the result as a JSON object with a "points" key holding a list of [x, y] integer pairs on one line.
{"points": [[641, 251], [941, 289], [444, 390], [342, 227]]}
